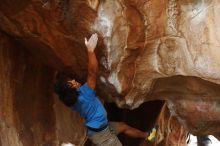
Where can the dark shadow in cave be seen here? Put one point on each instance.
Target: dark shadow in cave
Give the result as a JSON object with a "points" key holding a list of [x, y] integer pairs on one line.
{"points": [[141, 118]]}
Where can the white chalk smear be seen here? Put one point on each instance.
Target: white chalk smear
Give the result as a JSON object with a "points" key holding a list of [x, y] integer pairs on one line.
{"points": [[113, 79]]}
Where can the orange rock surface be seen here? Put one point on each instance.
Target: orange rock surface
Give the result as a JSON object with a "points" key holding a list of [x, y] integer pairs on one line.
{"points": [[148, 50]]}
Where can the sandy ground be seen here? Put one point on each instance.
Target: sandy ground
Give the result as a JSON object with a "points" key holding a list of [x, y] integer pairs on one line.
{"points": [[67, 144], [193, 141]]}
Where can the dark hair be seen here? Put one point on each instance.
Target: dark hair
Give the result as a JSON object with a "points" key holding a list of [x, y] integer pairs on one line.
{"points": [[66, 94]]}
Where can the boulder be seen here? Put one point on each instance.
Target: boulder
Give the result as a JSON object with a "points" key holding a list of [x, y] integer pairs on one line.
{"points": [[148, 50]]}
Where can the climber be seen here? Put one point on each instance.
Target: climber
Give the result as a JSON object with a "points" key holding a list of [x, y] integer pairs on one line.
{"points": [[82, 98]]}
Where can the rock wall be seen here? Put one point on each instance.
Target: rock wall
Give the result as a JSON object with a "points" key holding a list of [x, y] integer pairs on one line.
{"points": [[170, 132], [193, 101], [148, 49], [29, 114]]}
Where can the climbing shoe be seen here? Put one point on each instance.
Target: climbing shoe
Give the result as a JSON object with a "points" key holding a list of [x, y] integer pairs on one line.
{"points": [[152, 134]]}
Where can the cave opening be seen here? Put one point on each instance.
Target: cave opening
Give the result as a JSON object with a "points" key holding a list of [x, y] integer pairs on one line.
{"points": [[142, 118]]}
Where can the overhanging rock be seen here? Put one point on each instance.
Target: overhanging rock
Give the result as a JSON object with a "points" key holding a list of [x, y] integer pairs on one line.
{"points": [[148, 49]]}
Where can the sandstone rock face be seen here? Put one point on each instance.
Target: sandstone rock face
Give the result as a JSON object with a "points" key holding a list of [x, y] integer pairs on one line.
{"points": [[29, 114], [148, 49], [170, 132]]}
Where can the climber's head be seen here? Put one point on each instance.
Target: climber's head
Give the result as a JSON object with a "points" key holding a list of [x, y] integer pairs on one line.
{"points": [[66, 88]]}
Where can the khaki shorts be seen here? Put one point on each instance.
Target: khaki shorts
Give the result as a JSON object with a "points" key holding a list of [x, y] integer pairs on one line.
{"points": [[106, 137]]}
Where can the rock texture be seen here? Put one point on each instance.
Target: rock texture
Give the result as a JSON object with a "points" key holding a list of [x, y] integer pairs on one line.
{"points": [[29, 114], [148, 49], [170, 132]]}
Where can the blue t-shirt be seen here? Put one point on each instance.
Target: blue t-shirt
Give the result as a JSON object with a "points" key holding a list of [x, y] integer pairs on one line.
{"points": [[90, 107]]}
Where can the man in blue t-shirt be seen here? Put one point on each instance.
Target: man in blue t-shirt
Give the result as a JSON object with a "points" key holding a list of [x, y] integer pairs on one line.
{"points": [[83, 99]]}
